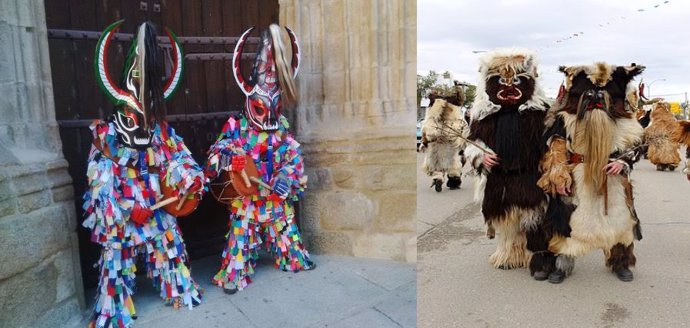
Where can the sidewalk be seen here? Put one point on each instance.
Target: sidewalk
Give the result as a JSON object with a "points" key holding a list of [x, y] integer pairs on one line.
{"points": [[340, 292]]}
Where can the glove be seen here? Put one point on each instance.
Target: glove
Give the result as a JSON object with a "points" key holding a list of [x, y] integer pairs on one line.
{"points": [[140, 215], [281, 187], [238, 163], [195, 187]]}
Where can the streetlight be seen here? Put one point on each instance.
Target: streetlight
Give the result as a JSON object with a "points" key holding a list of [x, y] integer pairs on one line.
{"points": [[649, 87]]}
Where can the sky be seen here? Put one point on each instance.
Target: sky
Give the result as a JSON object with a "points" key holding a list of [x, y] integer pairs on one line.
{"points": [[450, 31]]}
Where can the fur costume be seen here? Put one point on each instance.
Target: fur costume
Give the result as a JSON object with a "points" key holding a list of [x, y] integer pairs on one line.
{"points": [[590, 127], [682, 136], [663, 151], [507, 119], [441, 140], [135, 154], [261, 133]]}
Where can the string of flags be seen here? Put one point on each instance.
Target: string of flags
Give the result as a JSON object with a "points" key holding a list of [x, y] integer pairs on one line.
{"points": [[600, 25]]}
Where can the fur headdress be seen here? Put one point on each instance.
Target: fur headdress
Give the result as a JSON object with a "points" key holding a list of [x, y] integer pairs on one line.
{"points": [[435, 112], [500, 61]]}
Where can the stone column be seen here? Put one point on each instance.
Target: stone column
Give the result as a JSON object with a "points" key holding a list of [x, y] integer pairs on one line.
{"points": [[40, 278], [356, 123]]}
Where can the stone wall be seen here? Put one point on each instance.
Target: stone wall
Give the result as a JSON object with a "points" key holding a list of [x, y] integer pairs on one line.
{"points": [[40, 279], [356, 123]]}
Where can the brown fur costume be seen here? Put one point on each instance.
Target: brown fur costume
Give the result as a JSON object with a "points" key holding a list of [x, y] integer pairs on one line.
{"points": [[507, 119], [682, 136], [596, 127], [443, 125], [663, 150]]}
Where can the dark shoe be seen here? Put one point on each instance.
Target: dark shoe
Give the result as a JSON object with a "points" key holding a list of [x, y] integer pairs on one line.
{"points": [[230, 288], [671, 167], [454, 183], [310, 266], [659, 167], [624, 274], [541, 275], [505, 267], [438, 185], [557, 277]]}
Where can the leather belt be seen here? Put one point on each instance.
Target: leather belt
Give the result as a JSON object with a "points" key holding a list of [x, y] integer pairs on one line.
{"points": [[577, 158]]}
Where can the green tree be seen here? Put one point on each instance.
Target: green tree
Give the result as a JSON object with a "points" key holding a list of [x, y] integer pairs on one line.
{"points": [[430, 82]]}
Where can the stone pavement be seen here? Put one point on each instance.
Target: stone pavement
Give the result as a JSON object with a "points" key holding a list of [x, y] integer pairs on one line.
{"points": [[459, 288], [340, 292]]}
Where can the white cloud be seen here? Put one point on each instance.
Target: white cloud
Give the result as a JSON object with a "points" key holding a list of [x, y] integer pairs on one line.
{"points": [[450, 30]]}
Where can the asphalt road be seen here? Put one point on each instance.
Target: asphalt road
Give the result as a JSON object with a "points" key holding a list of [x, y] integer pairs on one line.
{"points": [[456, 286]]}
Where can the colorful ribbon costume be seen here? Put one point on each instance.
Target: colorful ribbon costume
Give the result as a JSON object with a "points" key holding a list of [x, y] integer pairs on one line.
{"points": [[132, 154], [266, 217]]}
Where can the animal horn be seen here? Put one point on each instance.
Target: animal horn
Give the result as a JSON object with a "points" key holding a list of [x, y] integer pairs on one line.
{"points": [[105, 81], [236, 71], [296, 55], [178, 66]]}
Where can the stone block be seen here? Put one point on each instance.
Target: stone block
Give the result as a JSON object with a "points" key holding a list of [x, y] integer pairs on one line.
{"points": [[29, 182], [59, 177], [67, 313], [319, 179], [329, 242], [346, 210], [309, 212], [397, 211], [6, 188], [25, 297], [8, 207], [63, 193], [65, 283], [335, 87], [343, 177], [26, 239], [385, 177], [34, 201]]}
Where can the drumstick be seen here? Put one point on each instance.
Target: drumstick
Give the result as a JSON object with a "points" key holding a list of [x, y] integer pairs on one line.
{"points": [[184, 198], [245, 178], [163, 203], [263, 184]]}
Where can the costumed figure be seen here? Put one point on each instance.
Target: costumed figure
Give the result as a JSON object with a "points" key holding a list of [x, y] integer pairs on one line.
{"points": [[682, 136], [663, 151], [443, 131], [258, 167], [140, 177], [507, 123], [593, 140]]}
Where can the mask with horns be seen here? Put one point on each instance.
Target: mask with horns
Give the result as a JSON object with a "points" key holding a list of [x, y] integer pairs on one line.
{"points": [[271, 83], [140, 96]]}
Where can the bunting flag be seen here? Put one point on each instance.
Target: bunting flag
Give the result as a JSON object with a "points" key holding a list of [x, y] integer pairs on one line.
{"points": [[571, 36]]}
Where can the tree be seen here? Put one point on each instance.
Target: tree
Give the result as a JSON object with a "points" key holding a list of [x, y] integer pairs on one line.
{"points": [[430, 82]]}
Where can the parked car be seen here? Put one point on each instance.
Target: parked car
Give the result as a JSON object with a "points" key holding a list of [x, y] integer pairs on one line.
{"points": [[419, 133]]}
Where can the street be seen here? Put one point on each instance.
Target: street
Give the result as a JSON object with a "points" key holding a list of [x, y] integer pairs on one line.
{"points": [[457, 287]]}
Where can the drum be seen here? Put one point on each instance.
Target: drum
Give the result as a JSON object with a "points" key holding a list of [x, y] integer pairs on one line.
{"points": [[231, 185]]}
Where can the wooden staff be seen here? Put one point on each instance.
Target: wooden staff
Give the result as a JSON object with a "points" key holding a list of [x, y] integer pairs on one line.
{"points": [[459, 135]]}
